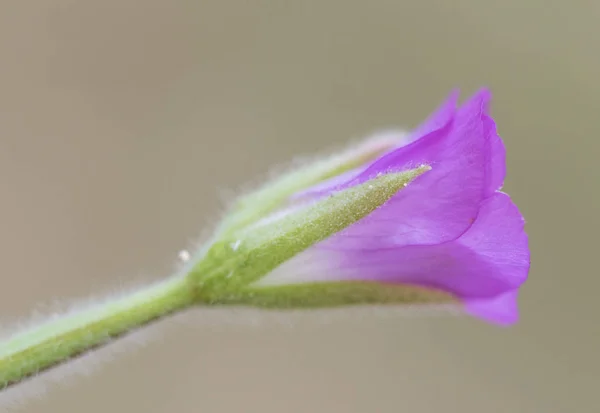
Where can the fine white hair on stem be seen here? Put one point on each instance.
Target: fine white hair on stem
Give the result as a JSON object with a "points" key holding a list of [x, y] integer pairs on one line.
{"points": [[63, 374], [58, 308], [86, 364]]}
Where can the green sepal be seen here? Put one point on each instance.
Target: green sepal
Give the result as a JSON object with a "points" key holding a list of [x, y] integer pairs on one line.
{"points": [[234, 262], [250, 208], [336, 294]]}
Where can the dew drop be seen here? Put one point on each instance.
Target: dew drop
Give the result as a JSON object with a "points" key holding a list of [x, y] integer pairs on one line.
{"points": [[184, 255]]}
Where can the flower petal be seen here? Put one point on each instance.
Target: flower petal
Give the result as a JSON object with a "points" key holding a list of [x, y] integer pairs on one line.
{"points": [[499, 238], [449, 230], [495, 157], [502, 309], [491, 258], [438, 206], [438, 119]]}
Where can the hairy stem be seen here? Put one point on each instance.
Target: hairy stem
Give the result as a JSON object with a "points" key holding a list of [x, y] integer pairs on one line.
{"points": [[62, 338]]}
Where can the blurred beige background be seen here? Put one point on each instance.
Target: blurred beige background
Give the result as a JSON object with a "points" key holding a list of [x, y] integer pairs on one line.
{"points": [[122, 122]]}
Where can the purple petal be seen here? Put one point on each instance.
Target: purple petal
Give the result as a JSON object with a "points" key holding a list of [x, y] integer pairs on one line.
{"points": [[441, 204], [502, 309], [495, 157], [449, 229], [499, 238], [427, 146], [438, 119], [491, 258]]}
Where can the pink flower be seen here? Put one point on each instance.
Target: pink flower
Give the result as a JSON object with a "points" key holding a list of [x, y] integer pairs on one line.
{"points": [[451, 229]]}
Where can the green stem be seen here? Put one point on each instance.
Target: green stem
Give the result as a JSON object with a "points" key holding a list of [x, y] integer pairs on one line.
{"points": [[58, 340]]}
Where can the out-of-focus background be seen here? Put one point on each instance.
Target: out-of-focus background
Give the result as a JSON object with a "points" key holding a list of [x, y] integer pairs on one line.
{"points": [[122, 122]]}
